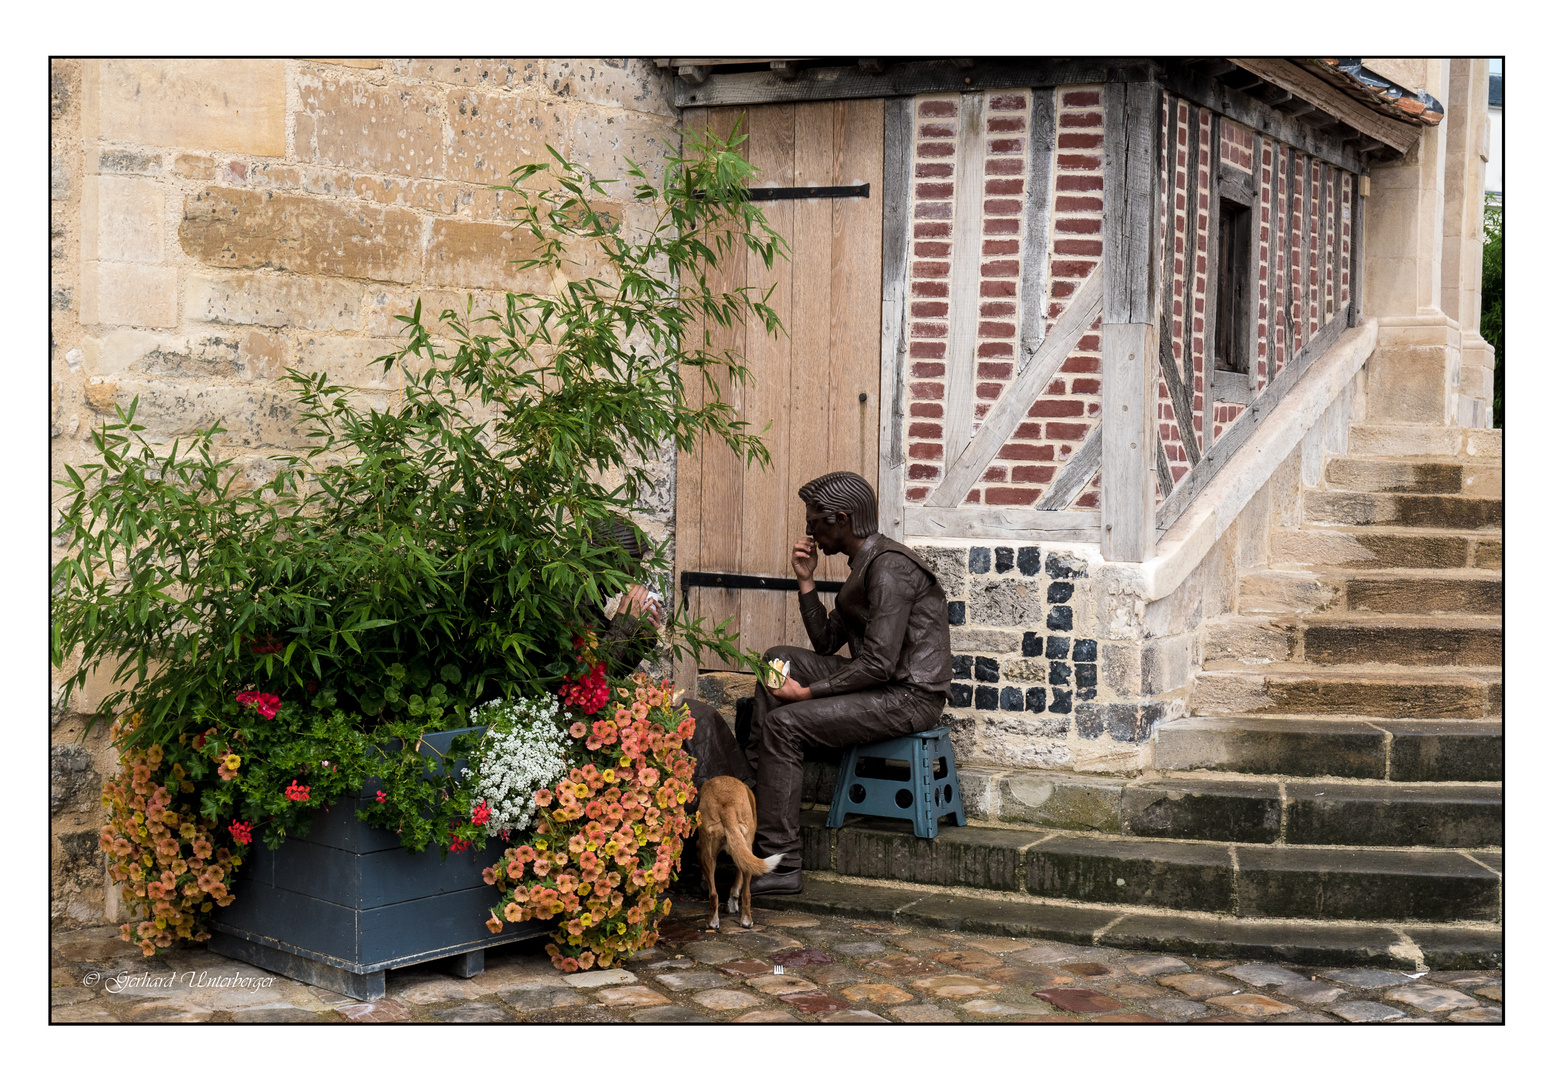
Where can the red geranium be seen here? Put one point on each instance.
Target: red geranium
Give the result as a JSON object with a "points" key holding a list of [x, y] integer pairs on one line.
{"points": [[297, 791]]}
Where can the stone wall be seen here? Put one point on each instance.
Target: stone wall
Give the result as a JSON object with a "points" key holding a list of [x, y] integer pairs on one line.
{"points": [[217, 222]]}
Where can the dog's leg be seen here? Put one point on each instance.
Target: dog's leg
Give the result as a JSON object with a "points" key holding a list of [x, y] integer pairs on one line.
{"points": [[707, 851], [744, 901], [739, 878]]}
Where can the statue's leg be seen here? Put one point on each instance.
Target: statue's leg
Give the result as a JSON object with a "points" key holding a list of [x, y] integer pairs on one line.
{"points": [[713, 746], [844, 720], [806, 667]]}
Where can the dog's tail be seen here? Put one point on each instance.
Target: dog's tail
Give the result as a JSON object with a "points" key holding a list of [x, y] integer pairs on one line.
{"points": [[744, 858]]}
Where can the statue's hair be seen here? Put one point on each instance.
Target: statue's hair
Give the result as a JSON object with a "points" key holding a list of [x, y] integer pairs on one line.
{"points": [[845, 493], [624, 534]]}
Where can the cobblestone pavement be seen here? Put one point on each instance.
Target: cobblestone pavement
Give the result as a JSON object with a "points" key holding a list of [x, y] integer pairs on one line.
{"points": [[791, 968]]}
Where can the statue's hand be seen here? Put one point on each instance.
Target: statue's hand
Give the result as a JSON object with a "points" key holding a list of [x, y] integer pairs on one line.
{"points": [[805, 558], [792, 690]]}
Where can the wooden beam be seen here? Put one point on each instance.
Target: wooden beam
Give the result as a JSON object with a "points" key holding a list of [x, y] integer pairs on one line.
{"points": [[1036, 225], [1008, 411], [1236, 436], [1164, 472], [1252, 112], [786, 70], [898, 122], [1287, 75], [1213, 68], [870, 65], [1183, 411], [694, 74], [997, 523], [898, 80], [1357, 251], [1212, 289], [964, 283], [1075, 472], [1270, 94], [1132, 130]]}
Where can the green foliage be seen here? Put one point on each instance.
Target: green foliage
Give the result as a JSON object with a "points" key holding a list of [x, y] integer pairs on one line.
{"points": [[1492, 317], [410, 562]]}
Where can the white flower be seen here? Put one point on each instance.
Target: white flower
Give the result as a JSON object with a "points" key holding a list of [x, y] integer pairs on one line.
{"points": [[522, 752]]}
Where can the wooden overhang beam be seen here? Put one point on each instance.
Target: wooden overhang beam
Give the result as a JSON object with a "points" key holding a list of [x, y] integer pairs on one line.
{"points": [[1247, 108], [1317, 94], [902, 78]]}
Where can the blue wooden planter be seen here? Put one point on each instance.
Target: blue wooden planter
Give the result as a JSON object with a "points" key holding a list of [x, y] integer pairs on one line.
{"points": [[343, 905]]}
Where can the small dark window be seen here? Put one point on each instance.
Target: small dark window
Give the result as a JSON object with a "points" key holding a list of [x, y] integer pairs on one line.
{"points": [[1235, 225]]}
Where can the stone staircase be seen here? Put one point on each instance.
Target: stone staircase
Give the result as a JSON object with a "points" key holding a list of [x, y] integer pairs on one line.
{"points": [[1334, 794]]}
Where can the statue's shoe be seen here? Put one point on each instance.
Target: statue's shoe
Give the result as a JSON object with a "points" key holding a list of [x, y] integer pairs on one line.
{"points": [[775, 882]]}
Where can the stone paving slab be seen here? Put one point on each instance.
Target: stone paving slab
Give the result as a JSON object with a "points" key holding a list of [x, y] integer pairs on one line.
{"points": [[834, 969]]}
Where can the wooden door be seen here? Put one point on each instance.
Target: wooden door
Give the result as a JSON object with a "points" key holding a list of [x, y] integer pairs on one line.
{"points": [[817, 386]]}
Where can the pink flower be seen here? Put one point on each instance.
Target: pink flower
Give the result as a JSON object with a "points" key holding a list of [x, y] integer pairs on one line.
{"points": [[577, 729], [380, 796], [543, 797]]}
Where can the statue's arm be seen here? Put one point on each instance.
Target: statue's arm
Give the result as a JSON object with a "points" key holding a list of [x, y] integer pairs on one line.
{"points": [[826, 632], [894, 583]]}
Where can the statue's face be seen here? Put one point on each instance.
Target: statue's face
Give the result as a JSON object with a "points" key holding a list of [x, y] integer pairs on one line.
{"points": [[829, 537]]}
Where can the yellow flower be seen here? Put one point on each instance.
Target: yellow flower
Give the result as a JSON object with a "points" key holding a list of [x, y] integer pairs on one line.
{"points": [[626, 762], [206, 907], [169, 818], [540, 845], [188, 830], [139, 818], [232, 762], [682, 799], [591, 846], [160, 923], [583, 890], [609, 776], [235, 860], [582, 791]]}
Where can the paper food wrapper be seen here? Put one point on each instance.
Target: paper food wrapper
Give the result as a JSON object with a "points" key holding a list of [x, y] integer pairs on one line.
{"points": [[778, 675]]}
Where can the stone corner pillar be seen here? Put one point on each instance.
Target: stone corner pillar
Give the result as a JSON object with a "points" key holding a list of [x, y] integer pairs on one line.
{"points": [[1415, 375]]}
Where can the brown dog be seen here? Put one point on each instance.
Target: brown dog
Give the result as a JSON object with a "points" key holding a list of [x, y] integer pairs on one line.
{"points": [[727, 809]]}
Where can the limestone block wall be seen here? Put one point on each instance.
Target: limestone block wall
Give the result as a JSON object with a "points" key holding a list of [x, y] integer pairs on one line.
{"points": [[218, 222]]}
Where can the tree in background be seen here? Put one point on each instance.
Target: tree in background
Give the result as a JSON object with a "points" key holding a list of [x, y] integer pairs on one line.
{"points": [[1492, 317]]}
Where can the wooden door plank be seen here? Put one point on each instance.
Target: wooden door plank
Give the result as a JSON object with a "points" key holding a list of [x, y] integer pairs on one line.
{"points": [[1008, 411], [764, 615], [688, 466], [964, 280], [809, 435], [898, 125], [722, 470], [856, 281]]}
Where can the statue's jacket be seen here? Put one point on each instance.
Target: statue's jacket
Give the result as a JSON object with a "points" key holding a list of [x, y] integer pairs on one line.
{"points": [[894, 615]]}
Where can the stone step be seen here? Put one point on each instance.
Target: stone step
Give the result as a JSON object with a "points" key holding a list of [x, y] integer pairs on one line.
{"points": [[1372, 547], [1397, 946], [1242, 880], [1461, 751], [1418, 640], [1382, 508], [1247, 810], [1347, 690], [1421, 440], [1414, 476], [1466, 591]]}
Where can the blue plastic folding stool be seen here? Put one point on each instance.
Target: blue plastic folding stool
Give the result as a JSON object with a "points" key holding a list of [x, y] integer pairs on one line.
{"points": [[912, 777]]}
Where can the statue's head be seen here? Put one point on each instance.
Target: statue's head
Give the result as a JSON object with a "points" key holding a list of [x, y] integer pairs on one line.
{"points": [[634, 546], [838, 495]]}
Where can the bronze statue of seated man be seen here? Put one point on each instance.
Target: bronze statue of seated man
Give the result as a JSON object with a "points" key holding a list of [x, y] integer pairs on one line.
{"points": [[892, 613]]}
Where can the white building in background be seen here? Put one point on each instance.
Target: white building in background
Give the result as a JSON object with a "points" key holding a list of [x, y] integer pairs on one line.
{"points": [[1494, 171]]}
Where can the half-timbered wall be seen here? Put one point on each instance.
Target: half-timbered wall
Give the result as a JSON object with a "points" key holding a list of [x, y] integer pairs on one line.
{"points": [[979, 239], [1299, 280]]}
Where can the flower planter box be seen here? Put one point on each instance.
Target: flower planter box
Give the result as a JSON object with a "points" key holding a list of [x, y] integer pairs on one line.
{"points": [[343, 905]]}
